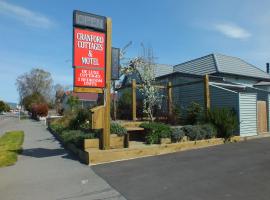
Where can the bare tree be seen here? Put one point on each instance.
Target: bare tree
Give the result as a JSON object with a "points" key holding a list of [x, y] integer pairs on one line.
{"points": [[59, 91], [37, 81]]}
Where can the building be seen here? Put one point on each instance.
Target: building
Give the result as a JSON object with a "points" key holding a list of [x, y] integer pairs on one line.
{"points": [[86, 100], [232, 69], [234, 83]]}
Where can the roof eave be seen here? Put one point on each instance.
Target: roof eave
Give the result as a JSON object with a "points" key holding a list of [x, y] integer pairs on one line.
{"points": [[239, 75]]}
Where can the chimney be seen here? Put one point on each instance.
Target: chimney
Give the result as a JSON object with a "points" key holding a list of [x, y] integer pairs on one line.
{"points": [[267, 68]]}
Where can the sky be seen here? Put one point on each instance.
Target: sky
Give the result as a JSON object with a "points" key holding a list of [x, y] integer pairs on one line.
{"points": [[38, 34]]}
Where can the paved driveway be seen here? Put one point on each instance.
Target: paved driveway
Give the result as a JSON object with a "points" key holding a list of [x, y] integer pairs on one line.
{"points": [[45, 171], [228, 172]]}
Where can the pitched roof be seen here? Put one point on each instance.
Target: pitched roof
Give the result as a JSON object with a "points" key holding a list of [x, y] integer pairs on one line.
{"points": [[163, 69], [218, 63]]}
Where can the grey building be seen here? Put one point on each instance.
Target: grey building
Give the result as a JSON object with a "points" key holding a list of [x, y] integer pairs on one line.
{"points": [[234, 83], [231, 68]]}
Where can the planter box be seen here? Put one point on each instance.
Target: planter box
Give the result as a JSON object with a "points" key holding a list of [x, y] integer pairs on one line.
{"points": [[116, 142], [103, 156], [91, 143]]}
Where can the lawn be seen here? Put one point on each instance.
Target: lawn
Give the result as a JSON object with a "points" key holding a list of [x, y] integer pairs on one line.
{"points": [[10, 146]]}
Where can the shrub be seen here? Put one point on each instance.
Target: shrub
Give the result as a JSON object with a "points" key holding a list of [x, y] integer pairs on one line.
{"points": [[118, 129], [42, 110], [76, 137], [199, 132], [194, 112], [155, 131], [224, 120], [82, 116], [193, 132], [65, 120], [39, 110], [57, 128], [177, 134], [208, 131]]}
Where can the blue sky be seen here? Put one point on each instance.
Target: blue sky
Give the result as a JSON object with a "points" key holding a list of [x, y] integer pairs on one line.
{"points": [[39, 33]]}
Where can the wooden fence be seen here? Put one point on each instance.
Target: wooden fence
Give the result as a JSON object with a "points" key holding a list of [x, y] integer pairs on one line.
{"points": [[169, 95]]}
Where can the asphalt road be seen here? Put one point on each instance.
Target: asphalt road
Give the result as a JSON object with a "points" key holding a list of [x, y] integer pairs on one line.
{"points": [[239, 171]]}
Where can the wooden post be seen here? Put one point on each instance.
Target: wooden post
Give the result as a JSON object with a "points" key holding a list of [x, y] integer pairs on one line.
{"points": [[206, 94], [107, 93], [169, 90], [114, 102], [133, 100]]}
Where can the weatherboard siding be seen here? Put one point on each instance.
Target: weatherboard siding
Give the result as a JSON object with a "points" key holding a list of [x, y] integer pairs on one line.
{"points": [[248, 114]]}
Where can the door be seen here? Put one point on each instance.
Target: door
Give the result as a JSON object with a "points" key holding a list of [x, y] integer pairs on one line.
{"points": [[248, 114], [262, 116]]}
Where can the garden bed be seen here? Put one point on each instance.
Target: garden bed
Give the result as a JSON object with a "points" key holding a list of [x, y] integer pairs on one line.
{"points": [[82, 155]]}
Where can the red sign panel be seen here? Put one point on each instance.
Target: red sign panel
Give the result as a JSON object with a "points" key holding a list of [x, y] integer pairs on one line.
{"points": [[89, 48], [89, 55], [85, 77]]}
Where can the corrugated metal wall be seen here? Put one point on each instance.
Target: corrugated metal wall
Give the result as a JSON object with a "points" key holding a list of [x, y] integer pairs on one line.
{"points": [[262, 95], [221, 97], [184, 95], [248, 114]]}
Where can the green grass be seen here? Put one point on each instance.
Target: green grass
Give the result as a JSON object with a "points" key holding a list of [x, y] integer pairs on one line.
{"points": [[10, 146]]}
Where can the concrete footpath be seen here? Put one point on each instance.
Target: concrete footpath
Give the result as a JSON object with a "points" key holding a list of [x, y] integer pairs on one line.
{"points": [[46, 171]]}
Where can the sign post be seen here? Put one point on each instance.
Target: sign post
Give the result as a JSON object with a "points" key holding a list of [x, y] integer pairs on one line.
{"points": [[92, 61], [107, 99]]}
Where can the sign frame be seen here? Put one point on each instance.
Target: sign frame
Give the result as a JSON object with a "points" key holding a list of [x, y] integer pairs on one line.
{"points": [[90, 15], [94, 29]]}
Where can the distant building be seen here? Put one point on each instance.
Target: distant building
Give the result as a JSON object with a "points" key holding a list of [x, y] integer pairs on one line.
{"points": [[86, 100]]}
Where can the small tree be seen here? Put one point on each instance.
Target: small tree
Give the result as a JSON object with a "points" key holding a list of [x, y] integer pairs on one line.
{"points": [[35, 98], [144, 67], [2, 106], [194, 112], [59, 93]]}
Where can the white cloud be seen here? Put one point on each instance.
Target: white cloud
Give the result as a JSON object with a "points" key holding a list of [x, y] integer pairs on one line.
{"points": [[24, 15], [232, 31]]}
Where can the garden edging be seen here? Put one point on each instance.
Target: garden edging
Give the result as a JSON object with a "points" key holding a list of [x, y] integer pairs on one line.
{"points": [[112, 155]]}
